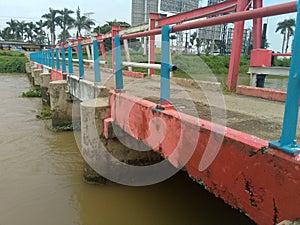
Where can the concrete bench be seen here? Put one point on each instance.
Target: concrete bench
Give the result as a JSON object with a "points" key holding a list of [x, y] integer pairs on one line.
{"points": [[273, 70]]}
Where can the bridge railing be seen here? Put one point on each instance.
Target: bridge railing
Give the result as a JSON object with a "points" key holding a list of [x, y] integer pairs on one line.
{"points": [[287, 141]]}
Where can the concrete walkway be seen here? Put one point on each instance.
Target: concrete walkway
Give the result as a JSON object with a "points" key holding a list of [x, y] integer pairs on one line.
{"points": [[255, 116]]}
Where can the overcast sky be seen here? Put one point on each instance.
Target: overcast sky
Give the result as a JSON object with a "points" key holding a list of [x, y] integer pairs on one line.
{"points": [[32, 10]]}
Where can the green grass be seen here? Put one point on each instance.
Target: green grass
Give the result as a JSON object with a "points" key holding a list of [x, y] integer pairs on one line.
{"points": [[12, 62], [32, 94], [45, 113]]}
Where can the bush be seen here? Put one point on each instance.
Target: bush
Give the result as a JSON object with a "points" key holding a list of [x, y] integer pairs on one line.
{"points": [[12, 62], [32, 94], [285, 62], [12, 53]]}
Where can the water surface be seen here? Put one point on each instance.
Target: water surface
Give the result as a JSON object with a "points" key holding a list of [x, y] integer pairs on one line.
{"points": [[41, 180]]}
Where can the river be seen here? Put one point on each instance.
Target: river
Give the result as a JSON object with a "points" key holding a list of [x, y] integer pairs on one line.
{"points": [[41, 180]]}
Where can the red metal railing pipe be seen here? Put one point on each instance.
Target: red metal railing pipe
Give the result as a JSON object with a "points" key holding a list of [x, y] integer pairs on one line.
{"points": [[220, 8], [240, 16], [282, 54], [142, 34]]}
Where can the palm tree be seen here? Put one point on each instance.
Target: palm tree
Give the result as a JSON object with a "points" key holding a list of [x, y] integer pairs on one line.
{"points": [[51, 22], [286, 28], [40, 33], [30, 28], [21, 29], [173, 37], [6, 34], [13, 26], [82, 22], [291, 23], [66, 22]]}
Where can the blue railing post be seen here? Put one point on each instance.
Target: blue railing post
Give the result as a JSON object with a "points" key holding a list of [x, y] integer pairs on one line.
{"points": [[63, 56], [49, 57], [165, 66], [80, 60], [96, 62], [57, 58], [287, 140], [118, 63], [44, 57], [40, 58], [70, 56], [52, 59]]}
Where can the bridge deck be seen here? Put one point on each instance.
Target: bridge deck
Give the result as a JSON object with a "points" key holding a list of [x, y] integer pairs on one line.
{"points": [[255, 116]]}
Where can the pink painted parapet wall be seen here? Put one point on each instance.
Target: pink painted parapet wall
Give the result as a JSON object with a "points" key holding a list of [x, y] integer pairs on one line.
{"points": [[264, 93], [57, 75], [263, 183]]}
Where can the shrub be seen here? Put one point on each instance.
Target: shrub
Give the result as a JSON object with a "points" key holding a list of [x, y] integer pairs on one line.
{"points": [[32, 94], [12, 62]]}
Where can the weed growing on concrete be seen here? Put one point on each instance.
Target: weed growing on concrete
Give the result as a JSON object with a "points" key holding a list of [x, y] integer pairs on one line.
{"points": [[64, 128], [32, 94], [45, 113]]}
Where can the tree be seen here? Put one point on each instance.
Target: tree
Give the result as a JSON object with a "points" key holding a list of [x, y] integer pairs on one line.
{"points": [[29, 31], [13, 26], [82, 23], [40, 36], [51, 22], [198, 44], [286, 28], [172, 38], [291, 23], [65, 22], [193, 38], [21, 29], [6, 34], [106, 28]]}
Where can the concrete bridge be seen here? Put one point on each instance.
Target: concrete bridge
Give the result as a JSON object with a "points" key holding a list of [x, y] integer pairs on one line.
{"points": [[140, 130], [24, 45]]}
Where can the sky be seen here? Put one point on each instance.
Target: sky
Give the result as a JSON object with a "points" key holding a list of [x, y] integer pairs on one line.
{"points": [[32, 10]]}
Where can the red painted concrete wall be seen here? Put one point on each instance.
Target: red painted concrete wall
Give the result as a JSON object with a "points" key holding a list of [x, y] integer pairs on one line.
{"points": [[133, 74], [263, 183], [262, 93], [261, 57], [56, 75]]}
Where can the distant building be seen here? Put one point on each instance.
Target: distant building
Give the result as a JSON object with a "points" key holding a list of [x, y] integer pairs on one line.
{"points": [[140, 10], [178, 6]]}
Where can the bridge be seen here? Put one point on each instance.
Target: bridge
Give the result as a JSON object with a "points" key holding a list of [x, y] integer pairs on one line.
{"points": [[26, 46], [137, 130]]}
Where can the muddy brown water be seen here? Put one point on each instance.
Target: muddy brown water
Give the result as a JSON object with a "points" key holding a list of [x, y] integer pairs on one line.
{"points": [[41, 180]]}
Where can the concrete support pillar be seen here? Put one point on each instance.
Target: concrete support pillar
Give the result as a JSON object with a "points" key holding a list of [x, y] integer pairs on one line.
{"points": [[257, 26], [30, 75], [61, 104], [151, 56], [45, 85], [28, 68], [115, 32], [92, 114], [36, 76], [95, 148], [237, 42], [127, 53]]}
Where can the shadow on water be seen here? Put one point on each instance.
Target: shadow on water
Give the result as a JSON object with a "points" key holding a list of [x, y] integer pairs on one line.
{"points": [[41, 180]]}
